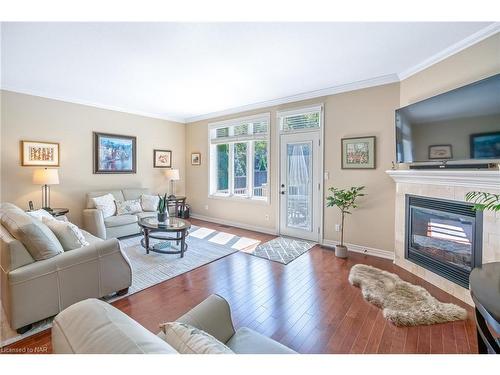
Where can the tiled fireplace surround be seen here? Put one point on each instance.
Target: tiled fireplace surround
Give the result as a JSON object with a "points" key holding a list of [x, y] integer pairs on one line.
{"points": [[445, 184]]}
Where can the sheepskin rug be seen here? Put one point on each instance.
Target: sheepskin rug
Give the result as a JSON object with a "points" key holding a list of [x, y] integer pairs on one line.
{"points": [[403, 304]]}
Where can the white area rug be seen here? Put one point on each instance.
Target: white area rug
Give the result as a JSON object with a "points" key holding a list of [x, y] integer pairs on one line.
{"points": [[282, 249], [204, 246]]}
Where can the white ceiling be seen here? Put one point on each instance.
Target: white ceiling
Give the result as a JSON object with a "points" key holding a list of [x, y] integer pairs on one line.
{"points": [[185, 71]]}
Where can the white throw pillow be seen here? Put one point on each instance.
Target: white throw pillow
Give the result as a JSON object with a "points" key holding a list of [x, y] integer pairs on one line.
{"points": [[187, 339], [40, 214], [128, 207], [68, 234], [149, 202], [106, 204]]}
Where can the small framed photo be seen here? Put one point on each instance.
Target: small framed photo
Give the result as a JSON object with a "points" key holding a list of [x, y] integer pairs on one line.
{"points": [[440, 152], [485, 145], [358, 153], [162, 159], [114, 153], [195, 158], [39, 154]]}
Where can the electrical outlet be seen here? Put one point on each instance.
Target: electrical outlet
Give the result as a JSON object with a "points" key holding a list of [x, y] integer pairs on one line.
{"points": [[337, 227], [206, 207], [266, 217]]}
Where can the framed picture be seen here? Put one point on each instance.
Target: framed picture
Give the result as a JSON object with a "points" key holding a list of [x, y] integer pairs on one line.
{"points": [[485, 146], [162, 159], [39, 154], [440, 152], [195, 158], [358, 153], [114, 153]]}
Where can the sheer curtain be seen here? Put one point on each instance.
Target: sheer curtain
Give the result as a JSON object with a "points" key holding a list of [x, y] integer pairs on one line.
{"points": [[298, 186]]}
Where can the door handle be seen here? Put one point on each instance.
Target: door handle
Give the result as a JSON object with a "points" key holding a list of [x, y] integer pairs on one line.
{"points": [[282, 192]]}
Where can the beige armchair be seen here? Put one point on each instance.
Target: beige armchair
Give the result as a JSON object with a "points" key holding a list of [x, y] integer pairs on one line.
{"points": [[35, 290]]}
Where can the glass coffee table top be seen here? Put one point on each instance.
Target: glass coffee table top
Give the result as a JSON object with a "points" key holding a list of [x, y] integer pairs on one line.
{"points": [[172, 224]]}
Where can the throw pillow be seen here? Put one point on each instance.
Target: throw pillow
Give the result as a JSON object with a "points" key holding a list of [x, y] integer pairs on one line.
{"points": [[128, 207], [38, 239], [149, 202], [40, 214], [187, 339], [105, 203], [68, 234]]}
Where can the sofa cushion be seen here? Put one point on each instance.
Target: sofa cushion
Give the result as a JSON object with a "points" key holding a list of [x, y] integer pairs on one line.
{"points": [[134, 193], [90, 238], [38, 239], [68, 234], [247, 341], [187, 339], [117, 194], [128, 207], [40, 214], [141, 215], [105, 203], [94, 326], [149, 202], [117, 221]]}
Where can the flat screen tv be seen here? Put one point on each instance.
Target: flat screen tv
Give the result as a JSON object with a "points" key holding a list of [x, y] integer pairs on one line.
{"points": [[462, 125]]}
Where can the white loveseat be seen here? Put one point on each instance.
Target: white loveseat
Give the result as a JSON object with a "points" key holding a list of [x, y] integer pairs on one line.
{"points": [[113, 226], [95, 327]]}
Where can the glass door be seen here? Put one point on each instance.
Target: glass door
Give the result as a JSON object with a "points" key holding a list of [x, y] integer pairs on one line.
{"points": [[299, 185]]}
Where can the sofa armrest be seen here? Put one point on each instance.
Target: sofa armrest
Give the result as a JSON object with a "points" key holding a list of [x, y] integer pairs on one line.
{"points": [[93, 222], [213, 316]]}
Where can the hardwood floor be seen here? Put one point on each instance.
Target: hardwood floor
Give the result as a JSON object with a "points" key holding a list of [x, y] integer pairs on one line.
{"points": [[307, 305]]}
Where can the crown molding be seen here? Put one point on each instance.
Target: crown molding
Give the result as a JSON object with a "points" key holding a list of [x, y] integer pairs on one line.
{"points": [[469, 41], [93, 104], [372, 82]]}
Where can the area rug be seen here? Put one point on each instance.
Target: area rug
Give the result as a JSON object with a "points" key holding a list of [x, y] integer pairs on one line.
{"points": [[204, 246], [403, 304], [281, 249]]}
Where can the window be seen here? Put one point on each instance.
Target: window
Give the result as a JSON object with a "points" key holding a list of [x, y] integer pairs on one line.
{"points": [[239, 158], [300, 119]]}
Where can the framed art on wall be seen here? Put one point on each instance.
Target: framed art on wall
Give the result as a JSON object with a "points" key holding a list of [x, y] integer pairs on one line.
{"points": [[195, 158], [39, 154], [162, 159], [440, 152], [114, 153], [485, 145], [358, 153]]}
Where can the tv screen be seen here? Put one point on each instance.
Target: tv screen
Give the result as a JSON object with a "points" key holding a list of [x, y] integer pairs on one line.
{"points": [[460, 125]]}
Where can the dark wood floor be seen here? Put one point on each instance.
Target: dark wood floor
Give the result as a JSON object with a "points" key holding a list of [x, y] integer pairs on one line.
{"points": [[307, 305]]}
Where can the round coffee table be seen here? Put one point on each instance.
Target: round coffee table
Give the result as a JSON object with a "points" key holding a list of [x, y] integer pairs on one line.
{"points": [[172, 229]]}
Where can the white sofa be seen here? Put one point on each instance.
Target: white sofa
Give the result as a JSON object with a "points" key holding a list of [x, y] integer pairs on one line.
{"points": [[34, 290], [96, 327], [114, 226]]}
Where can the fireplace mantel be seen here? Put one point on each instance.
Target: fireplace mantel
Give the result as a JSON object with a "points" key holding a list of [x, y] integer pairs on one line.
{"points": [[486, 179]]}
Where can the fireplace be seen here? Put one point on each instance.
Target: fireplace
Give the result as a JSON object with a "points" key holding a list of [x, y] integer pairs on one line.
{"points": [[443, 236]]}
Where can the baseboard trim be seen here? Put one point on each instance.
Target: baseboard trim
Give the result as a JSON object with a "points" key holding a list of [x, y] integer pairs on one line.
{"points": [[235, 224], [362, 249]]}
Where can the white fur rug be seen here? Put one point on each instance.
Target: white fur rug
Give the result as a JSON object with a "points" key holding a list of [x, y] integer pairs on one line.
{"points": [[403, 304]]}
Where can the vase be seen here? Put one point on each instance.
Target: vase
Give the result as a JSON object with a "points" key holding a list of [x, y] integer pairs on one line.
{"points": [[162, 216], [341, 251]]}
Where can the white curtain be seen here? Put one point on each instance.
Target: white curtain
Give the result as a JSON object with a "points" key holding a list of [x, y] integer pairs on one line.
{"points": [[298, 171]]}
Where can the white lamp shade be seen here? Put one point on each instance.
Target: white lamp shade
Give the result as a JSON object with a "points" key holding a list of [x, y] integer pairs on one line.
{"points": [[45, 177], [172, 174]]}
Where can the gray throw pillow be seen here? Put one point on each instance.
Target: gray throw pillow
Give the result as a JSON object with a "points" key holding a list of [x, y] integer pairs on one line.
{"points": [[38, 239]]}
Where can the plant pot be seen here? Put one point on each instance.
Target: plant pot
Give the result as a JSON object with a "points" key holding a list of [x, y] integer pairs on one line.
{"points": [[162, 217], [341, 251]]}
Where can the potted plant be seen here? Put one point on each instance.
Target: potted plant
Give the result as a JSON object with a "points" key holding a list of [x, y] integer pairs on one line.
{"points": [[162, 208], [483, 201], [344, 199]]}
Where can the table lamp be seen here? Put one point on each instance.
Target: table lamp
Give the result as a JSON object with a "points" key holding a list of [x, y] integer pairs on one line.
{"points": [[46, 177], [172, 175]]}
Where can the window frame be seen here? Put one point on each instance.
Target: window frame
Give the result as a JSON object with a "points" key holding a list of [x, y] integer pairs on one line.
{"points": [[250, 139], [281, 115]]}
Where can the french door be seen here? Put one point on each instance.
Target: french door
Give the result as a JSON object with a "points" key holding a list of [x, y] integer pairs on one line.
{"points": [[300, 209]]}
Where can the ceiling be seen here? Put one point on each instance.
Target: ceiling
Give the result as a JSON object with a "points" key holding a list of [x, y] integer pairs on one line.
{"points": [[188, 71]]}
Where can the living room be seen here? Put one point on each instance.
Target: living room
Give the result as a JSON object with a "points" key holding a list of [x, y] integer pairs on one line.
{"points": [[166, 189]]}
